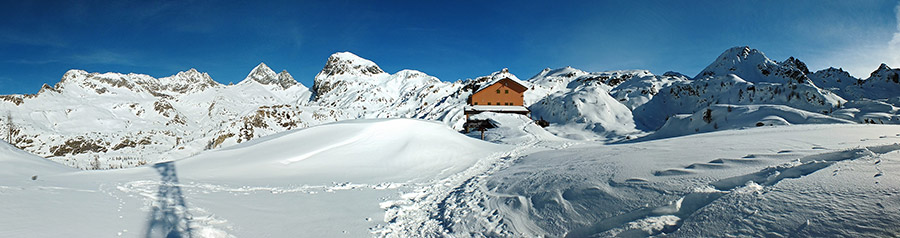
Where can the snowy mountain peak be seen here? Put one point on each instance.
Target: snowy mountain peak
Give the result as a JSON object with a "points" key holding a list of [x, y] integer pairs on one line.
{"points": [[735, 60], [342, 67], [881, 68], [262, 68], [193, 76], [796, 63], [182, 82], [285, 76], [753, 65], [740, 53], [73, 74], [885, 73], [349, 64], [264, 75], [504, 73], [832, 72]]}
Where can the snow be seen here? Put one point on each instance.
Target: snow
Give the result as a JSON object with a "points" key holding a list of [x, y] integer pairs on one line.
{"points": [[404, 177], [663, 186], [586, 107], [749, 147], [245, 190], [693, 96], [725, 117]]}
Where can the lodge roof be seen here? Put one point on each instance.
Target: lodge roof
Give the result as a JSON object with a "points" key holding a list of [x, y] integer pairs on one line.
{"points": [[503, 74]]}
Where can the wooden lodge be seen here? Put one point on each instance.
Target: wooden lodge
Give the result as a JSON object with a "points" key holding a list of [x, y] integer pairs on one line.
{"points": [[504, 94]]}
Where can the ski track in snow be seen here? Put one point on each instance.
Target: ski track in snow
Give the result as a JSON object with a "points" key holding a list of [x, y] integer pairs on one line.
{"points": [[456, 205]]}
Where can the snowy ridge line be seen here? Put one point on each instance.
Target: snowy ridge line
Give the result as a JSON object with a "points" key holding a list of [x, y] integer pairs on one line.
{"points": [[669, 218], [456, 205]]}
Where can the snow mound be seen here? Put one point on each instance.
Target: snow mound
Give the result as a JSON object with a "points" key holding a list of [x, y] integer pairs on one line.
{"points": [[585, 107], [512, 129], [881, 111], [725, 117], [21, 165], [362, 151]]}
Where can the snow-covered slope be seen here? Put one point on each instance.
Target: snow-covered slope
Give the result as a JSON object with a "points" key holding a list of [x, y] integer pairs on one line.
{"points": [[400, 150], [585, 107], [575, 101], [804, 180], [22, 165], [639, 90], [727, 117], [330, 180], [360, 89], [690, 97]]}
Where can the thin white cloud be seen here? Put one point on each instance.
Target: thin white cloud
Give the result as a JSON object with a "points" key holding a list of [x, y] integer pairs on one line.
{"points": [[893, 51], [868, 55], [96, 57], [33, 39], [102, 57]]}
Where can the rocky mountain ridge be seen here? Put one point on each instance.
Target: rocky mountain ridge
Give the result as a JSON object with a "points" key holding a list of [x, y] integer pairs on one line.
{"points": [[113, 120]]}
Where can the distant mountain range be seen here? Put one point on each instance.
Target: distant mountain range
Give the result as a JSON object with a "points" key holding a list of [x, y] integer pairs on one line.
{"points": [[114, 120]]}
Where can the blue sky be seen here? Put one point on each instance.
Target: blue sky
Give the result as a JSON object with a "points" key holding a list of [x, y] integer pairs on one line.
{"points": [[450, 40]]}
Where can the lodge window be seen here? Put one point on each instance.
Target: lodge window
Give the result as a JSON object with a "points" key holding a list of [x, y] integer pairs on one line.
{"points": [[489, 103], [498, 103], [507, 91], [498, 91], [476, 103]]}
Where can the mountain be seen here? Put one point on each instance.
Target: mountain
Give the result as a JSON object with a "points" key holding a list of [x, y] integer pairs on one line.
{"points": [[113, 120], [264, 75], [362, 90], [740, 76], [690, 97], [753, 66]]}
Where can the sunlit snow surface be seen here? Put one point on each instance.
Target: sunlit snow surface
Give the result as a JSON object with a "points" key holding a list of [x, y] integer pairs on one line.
{"points": [[412, 178]]}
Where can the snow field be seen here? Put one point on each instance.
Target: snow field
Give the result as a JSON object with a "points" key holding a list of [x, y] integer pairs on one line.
{"points": [[246, 190]]}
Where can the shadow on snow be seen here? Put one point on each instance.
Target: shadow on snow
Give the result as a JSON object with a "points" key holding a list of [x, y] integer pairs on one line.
{"points": [[169, 217]]}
